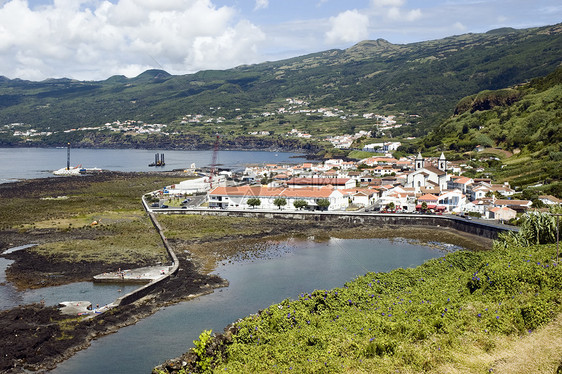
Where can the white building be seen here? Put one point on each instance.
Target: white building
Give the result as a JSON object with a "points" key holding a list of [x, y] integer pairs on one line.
{"points": [[428, 175], [454, 201], [237, 197]]}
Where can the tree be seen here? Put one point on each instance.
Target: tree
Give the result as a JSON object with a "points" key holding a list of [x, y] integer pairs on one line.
{"points": [[424, 206], [279, 202], [537, 228], [391, 206], [253, 202], [299, 204], [323, 204]]}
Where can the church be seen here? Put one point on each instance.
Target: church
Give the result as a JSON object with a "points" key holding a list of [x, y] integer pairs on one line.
{"points": [[428, 176]]}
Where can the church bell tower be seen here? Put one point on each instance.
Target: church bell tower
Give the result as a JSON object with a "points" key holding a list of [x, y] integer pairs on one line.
{"points": [[420, 162], [442, 163]]}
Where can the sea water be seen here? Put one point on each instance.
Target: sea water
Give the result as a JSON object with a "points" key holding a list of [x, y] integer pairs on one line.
{"points": [[29, 163], [291, 268]]}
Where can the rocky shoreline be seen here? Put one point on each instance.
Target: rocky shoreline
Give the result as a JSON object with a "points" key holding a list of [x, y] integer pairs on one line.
{"points": [[36, 337]]}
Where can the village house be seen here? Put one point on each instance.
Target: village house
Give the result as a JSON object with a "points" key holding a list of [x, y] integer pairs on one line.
{"points": [[362, 197], [315, 182], [460, 183], [520, 206], [550, 200], [480, 206], [453, 201], [501, 214], [237, 197]]}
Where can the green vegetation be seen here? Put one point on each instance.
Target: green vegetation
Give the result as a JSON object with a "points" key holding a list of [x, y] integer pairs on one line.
{"points": [[359, 155], [280, 202], [526, 118], [115, 243], [204, 363], [323, 203], [522, 125], [537, 228], [463, 312], [426, 78], [94, 218], [300, 204], [453, 312], [253, 202], [189, 227]]}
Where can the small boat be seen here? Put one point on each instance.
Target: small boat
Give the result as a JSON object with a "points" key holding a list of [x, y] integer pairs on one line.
{"points": [[77, 170]]}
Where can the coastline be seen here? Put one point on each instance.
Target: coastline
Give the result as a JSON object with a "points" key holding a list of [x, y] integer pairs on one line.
{"points": [[62, 338], [190, 283]]}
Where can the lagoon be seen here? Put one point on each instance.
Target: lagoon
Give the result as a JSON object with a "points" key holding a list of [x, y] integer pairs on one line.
{"points": [[284, 271]]}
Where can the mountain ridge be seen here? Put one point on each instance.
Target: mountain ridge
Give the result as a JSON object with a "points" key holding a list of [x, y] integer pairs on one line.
{"points": [[426, 78]]}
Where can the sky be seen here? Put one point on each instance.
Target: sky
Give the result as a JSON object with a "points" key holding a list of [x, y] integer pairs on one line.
{"points": [[96, 39]]}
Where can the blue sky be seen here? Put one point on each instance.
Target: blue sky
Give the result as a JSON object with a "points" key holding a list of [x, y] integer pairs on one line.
{"points": [[95, 39]]}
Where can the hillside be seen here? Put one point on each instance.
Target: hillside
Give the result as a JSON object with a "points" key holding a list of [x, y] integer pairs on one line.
{"points": [[466, 312], [426, 78], [525, 120]]}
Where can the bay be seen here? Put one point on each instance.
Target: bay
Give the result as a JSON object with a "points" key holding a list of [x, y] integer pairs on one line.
{"points": [[291, 268], [30, 163]]}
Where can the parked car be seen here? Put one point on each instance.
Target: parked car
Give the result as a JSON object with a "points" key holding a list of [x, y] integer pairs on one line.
{"points": [[163, 206], [154, 205]]}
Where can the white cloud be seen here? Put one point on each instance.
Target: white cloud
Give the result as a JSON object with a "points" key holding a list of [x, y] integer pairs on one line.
{"points": [[88, 41], [391, 3], [394, 10], [261, 4], [349, 26], [413, 15], [501, 19], [459, 26]]}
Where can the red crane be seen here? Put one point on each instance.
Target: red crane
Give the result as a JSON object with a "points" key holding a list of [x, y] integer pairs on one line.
{"points": [[214, 161]]}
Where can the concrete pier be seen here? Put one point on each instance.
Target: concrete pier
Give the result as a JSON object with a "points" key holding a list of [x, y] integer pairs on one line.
{"points": [[139, 275]]}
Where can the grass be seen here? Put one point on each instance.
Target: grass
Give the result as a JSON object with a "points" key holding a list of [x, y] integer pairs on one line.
{"points": [[88, 220], [464, 312], [119, 242], [123, 232], [188, 227]]}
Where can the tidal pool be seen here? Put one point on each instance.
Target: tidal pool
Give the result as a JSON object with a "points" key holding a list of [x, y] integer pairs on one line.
{"points": [[283, 271]]}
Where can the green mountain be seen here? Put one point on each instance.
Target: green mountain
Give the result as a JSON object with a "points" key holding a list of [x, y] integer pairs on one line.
{"points": [[426, 78], [527, 116], [525, 120]]}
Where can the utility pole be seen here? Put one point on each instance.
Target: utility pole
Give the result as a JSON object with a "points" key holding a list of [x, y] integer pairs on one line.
{"points": [[68, 157], [557, 235]]}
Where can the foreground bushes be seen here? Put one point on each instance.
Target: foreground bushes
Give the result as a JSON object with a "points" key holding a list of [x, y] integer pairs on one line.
{"points": [[407, 319]]}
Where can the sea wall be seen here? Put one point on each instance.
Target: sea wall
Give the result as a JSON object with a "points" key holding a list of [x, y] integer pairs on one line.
{"points": [[147, 289], [475, 227], [481, 228]]}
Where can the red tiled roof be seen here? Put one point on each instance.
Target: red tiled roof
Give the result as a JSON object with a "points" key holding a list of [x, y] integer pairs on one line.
{"points": [[428, 197], [318, 181], [272, 192]]}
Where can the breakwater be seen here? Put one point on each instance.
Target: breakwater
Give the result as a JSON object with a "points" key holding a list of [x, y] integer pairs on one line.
{"points": [[147, 289], [486, 230], [480, 228]]}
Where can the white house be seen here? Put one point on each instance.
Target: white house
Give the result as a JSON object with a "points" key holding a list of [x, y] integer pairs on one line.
{"points": [[501, 214], [316, 182], [361, 196], [454, 201], [550, 200], [237, 197], [460, 183], [192, 186]]}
